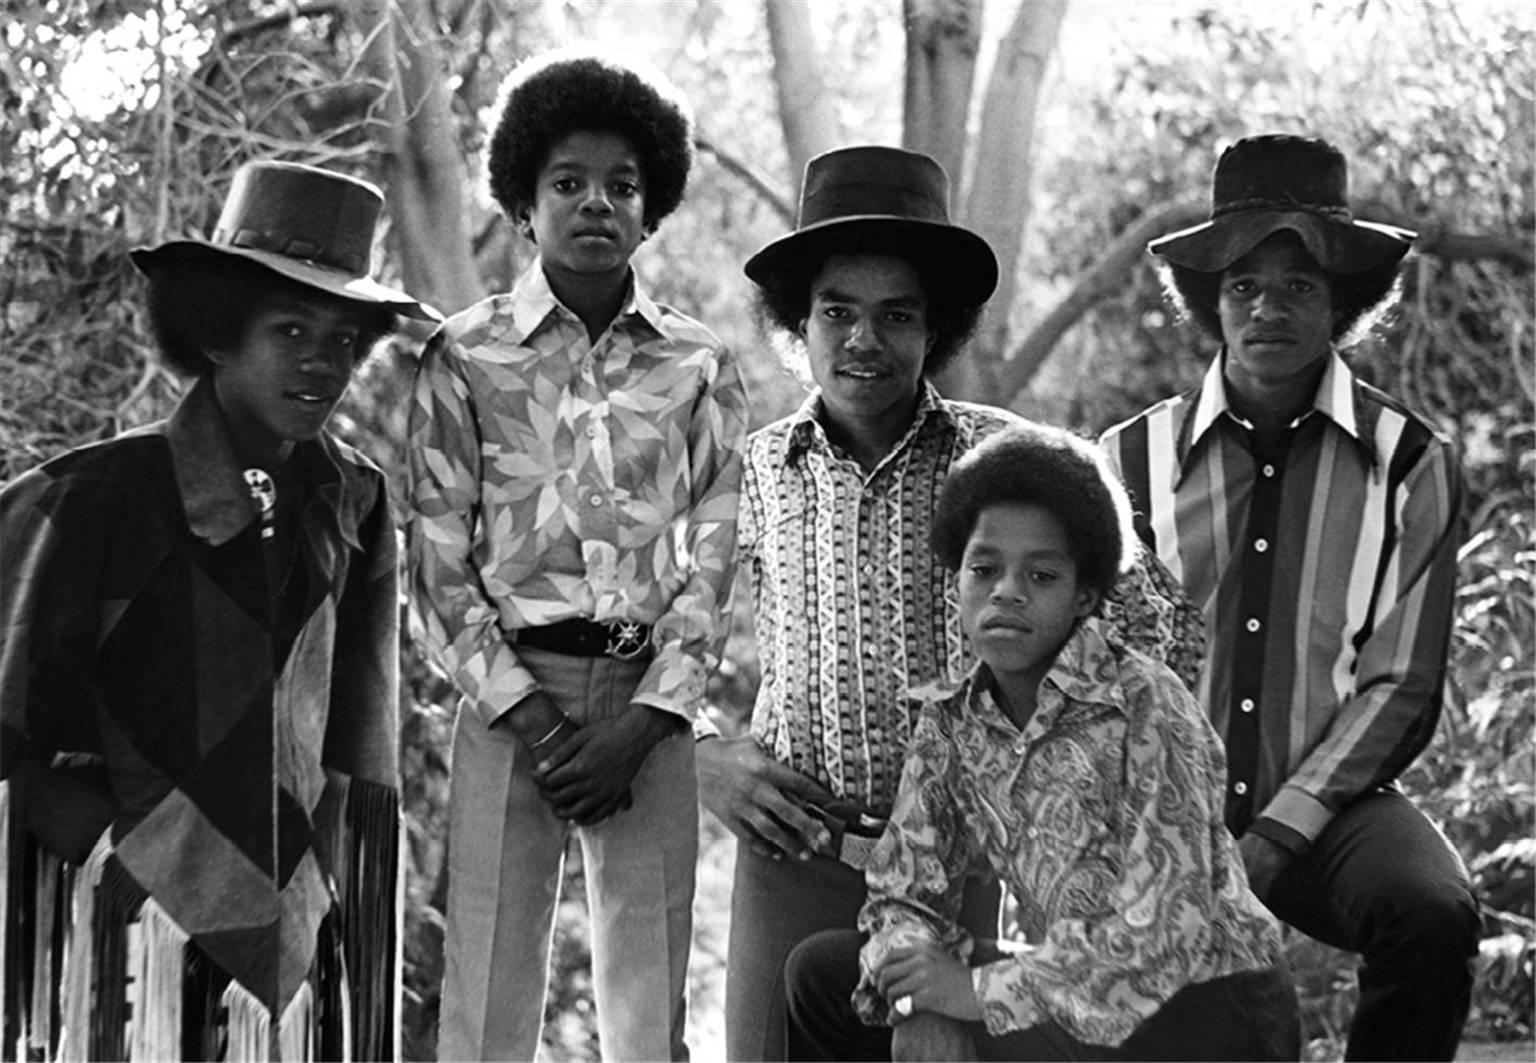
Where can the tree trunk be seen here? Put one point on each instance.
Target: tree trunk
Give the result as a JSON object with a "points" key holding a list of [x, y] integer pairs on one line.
{"points": [[805, 106], [943, 37], [424, 169], [997, 205]]}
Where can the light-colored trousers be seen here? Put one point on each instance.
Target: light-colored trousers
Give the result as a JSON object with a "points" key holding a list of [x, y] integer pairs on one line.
{"points": [[506, 850]]}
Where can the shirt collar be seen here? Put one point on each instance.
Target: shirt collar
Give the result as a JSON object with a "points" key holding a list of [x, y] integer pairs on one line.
{"points": [[533, 301], [1337, 399], [1083, 674], [806, 431], [211, 481]]}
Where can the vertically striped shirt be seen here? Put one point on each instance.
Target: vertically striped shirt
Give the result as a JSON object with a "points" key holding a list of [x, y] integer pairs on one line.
{"points": [[851, 608], [1325, 568]]}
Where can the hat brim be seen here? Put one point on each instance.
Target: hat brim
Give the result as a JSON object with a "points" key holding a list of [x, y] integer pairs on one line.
{"points": [[963, 260], [1339, 246], [330, 281]]}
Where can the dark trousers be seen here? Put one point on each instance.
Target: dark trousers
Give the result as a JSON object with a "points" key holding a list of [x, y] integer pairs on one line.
{"points": [[1382, 881], [1250, 1016], [775, 905]]}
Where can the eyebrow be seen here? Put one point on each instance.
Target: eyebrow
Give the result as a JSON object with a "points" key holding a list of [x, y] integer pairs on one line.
{"points": [[834, 295]]}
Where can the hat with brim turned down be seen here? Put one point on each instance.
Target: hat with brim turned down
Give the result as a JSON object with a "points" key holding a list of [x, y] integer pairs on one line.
{"points": [[1272, 183], [879, 200], [309, 225]]}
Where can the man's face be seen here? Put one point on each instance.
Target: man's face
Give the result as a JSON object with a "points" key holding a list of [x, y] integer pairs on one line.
{"points": [[866, 337], [588, 211], [1277, 317]]}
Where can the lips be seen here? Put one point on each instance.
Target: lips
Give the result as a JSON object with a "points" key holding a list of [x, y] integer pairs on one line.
{"points": [[1268, 337], [1006, 625], [864, 371], [312, 396]]}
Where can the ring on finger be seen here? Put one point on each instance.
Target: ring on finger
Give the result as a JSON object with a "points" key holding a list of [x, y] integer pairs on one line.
{"points": [[903, 1006]]}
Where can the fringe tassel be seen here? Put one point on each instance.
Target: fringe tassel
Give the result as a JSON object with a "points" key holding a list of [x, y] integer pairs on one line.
{"points": [[79, 975], [250, 1026], [157, 958], [296, 1029], [368, 884], [46, 889], [118, 900]]}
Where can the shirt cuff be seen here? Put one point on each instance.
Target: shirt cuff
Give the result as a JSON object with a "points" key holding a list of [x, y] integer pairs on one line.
{"points": [[1292, 841], [1298, 810]]}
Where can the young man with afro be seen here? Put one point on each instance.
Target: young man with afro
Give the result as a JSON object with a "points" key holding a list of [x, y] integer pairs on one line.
{"points": [[575, 472], [1316, 521]]}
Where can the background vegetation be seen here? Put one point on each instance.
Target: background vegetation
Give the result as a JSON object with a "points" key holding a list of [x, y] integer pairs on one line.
{"points": [[123, 120]]}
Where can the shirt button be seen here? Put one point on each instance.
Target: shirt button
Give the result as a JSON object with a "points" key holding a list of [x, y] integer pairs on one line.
{"points": [[1253, 623], [1239, 788], [595, 499], [1269, 470], [1246, 704], [1261, 545], [591, 431]]}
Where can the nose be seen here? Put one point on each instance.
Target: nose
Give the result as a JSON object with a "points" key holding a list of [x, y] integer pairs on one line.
{"points": [[596, 201], [1268, 304], [861, 335], [1010, 588], [324, 358]]}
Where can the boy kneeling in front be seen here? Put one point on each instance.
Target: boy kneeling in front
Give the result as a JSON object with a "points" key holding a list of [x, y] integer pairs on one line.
{"points": [[1085, 776]]}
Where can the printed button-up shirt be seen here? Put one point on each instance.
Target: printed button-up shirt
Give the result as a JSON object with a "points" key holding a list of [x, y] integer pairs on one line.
{"points": [[1326, 571], [1102, 816], [555, 478], [851, 608]]}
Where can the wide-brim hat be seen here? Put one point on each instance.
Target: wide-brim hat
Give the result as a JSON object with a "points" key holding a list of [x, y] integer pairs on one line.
{"points": [[1272, 183], [873, 199], [310, 225]]}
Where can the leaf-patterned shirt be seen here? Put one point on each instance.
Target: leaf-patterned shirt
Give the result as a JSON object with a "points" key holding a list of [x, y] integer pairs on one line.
{"points": [[852, 610], [554, 478], [1103, 817]]}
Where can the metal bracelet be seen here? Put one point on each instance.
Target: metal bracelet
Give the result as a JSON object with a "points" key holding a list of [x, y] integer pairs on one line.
{"points": [[552, 732]]}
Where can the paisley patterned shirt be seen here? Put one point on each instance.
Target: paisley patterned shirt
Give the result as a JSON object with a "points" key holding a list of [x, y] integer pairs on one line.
{"points": [[852, 610], [1102, 817], [554, 478]]}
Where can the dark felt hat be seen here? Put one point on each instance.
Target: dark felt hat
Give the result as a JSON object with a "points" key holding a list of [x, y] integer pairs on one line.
{"points": [[882, 200], [307, 224], [1275, 182]]}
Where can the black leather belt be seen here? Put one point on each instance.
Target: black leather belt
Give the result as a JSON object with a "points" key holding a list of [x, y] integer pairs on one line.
{"points": [[621, 639]]}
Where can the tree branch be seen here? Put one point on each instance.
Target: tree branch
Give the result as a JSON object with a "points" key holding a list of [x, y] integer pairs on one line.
{"points": [[732, 165]]}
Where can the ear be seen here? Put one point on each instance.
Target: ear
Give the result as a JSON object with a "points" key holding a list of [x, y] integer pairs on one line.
{"points": [[933, 337], [219, 359], [522, 221], [1087, 601]]}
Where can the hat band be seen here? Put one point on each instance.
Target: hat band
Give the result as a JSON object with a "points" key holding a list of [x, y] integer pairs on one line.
{"points": [[289, 247], [861, 198], [1327, 210]]}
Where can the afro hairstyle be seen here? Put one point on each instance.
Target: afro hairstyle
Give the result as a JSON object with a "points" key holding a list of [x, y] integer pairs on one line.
{"points": [[547, 98], [784, 299], [1358, 298], [1065, 475], [207, 303]]}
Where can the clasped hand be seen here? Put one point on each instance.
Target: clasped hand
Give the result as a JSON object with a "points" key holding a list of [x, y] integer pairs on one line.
{"points": [[585, 770]]}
